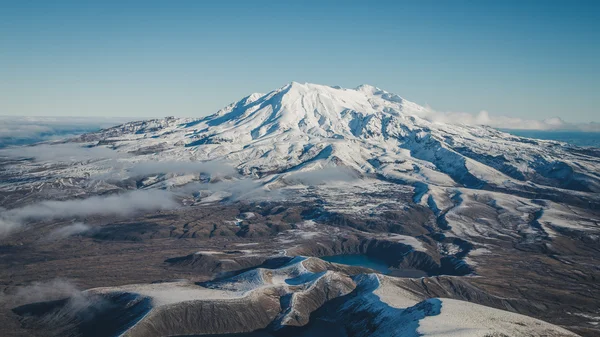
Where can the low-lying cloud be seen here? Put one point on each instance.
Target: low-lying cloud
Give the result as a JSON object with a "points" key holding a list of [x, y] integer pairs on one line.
{"points": [[234, 190], [250, 189], [66, 231], [18, 130], [77, 303], [322, 176], [504, 122], [136, 201], [66, 152], [118, 169], [119, 204], [42, 291], [212, 168]]}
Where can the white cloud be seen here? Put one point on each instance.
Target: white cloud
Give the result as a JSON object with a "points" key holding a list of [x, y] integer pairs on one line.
{"points": [[56, 289], [503, 122], [42, 291], [212, 168], [17, 130], [67, 152], [322, 176], [118, 204], [66, 231], [233, 190], [119, 169]]}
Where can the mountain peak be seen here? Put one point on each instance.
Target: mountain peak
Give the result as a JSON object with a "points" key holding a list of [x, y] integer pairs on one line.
{"points": [[314, 110], [307, 126], [367, 88], [308, 85], [359, 91]]}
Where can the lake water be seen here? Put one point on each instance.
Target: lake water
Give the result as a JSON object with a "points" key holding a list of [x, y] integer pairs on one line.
{"points": [[361, 260], [572, 137]]}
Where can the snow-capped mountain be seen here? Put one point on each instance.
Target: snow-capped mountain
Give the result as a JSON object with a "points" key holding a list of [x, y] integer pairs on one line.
{"points": [[440, 198], [309, 126]]}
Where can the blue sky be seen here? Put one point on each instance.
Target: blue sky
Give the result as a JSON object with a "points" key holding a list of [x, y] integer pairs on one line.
{"points": [[528, 59]]}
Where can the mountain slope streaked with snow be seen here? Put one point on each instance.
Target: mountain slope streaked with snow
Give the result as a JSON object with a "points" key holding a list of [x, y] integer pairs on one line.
{"points": [[314, 170], [309, 126]]}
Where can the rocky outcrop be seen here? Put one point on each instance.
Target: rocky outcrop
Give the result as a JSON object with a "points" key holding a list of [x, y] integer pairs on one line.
{"points": [[302, 304], [250, 313], [395, 254], [305, 296]]}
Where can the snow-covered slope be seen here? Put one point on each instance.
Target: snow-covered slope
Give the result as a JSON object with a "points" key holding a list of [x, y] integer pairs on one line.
{"points": [[305, 127], [467, 195], [309, 126]]}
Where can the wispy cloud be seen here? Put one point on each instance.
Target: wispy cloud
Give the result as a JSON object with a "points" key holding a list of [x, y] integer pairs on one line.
{"points": [[504, 122], [322, 176], [211, 168], [122, 168], [66, 231], [18, 130], [67, 152], [118, 204], [42, 291], [78, 302], [243, 189], [233, 190]]}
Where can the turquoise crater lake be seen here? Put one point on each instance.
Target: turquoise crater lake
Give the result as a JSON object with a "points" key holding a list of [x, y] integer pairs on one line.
{"points": [[365, 261]]}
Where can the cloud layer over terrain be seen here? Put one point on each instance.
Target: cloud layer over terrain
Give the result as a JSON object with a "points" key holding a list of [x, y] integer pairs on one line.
{"points": [[68, 152], [212, 168], [503, 122], [322, 176], [66, 231], [15, 130], [118, 204]]}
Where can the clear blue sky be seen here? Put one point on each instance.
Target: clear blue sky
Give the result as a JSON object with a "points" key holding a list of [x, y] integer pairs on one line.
{"points": [[532, 59]]}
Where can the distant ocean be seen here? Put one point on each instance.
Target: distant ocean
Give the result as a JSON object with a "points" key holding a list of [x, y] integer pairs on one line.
{"points": [[578, 138], [35, 138], [24, 130]]}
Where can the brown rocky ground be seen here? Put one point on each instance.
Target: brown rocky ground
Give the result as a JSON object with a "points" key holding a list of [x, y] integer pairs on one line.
{"points": [[559, 285]]}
